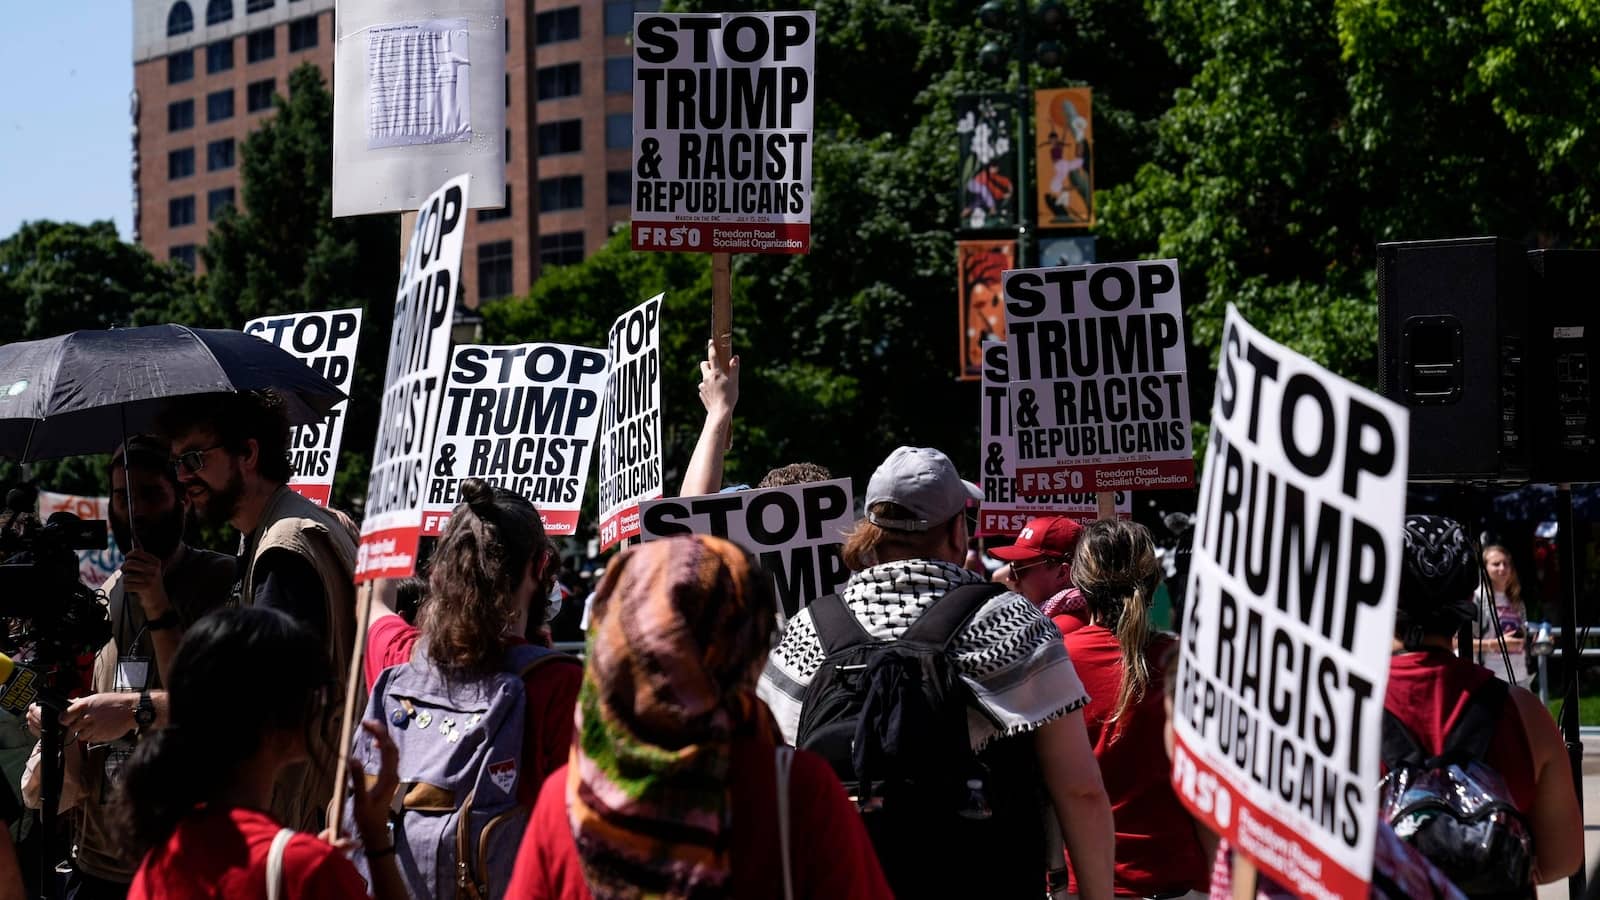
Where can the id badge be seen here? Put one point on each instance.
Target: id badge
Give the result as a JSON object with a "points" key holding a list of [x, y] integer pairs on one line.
{"points": [[133, 674]]}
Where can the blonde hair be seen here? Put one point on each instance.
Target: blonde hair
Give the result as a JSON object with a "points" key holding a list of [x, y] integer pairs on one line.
{"points": [[869, 545], [1117, 571], [1513, 583]]}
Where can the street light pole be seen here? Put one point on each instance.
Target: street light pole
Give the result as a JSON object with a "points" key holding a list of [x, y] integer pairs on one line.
{"points": [[1026, 257]]}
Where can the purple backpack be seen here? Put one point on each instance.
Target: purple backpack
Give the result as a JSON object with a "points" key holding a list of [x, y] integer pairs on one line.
{"points": [[456, 820]]}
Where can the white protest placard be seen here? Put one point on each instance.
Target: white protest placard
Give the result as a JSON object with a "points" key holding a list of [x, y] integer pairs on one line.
{"points": [[796, 532], [325, 341], [522, 418], [94, 566], [1284, 658], [1099, 389], [722, 109], [413, 383], [1003, 512], [630, 423], [418, 97]]}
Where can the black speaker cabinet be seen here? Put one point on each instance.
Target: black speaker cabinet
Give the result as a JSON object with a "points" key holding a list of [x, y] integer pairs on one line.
{"points": [[1563, 341], [1452, 335]]}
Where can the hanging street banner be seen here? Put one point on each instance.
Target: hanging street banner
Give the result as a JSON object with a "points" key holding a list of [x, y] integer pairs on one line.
{"points": [[1067, 251], [797, 532], [630, 422], [979, 267], [325, 341], [1284, 660], [413, 384], [522, 418], [722, 134], [1099, 384], [94, 566], [1003, 512], [1064, 127], [985, 124]]}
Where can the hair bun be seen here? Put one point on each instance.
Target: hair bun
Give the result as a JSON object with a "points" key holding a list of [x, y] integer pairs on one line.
{"points": [[478, 494], [22, 498]]}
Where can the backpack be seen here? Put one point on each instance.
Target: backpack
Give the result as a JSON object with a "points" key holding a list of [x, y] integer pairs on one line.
{"points": [[1453, 808], [456, 820], [890, 717]]}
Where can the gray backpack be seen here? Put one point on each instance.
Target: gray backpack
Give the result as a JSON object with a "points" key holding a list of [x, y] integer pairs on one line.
{"points": [[456, 820]]}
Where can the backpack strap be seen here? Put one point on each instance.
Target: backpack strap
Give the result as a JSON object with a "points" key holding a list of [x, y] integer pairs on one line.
{"points": [[1400, 746], [837, 627], [522, 659], [939, 623], [1474, 728], [280, 844]]}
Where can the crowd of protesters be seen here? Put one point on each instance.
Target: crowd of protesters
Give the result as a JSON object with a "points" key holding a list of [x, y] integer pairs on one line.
{"points": [[201, 757]]}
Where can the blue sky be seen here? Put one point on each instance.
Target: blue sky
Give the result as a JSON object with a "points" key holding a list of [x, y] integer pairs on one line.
{"points": [[65, 148]]}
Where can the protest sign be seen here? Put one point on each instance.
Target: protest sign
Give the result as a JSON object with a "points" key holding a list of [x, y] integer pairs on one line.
{"points": [[325, 341], [94, 566], [987, 161], [1064, 126], [1284, 658], [980, 265], [413, 383], [630, 423], [1099, 389], [1003, 512], [418, 97], [522, 418], [796, 532], [722, 107]]}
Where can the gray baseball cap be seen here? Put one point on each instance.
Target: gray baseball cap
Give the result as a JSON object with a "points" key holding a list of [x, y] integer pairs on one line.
{"points": [[923, 481]]}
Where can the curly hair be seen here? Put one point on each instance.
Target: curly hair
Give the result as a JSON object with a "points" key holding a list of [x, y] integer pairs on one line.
{"points": [[795, 473], [261, 416]]}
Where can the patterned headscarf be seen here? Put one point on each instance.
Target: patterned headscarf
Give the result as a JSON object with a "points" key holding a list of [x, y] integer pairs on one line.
{"points": [[1438, 574], [680, 630]]}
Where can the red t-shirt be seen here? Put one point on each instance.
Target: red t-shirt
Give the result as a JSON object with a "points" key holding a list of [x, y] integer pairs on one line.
{"points": [[223, 854], [552, 695], [830, 853], [1157, 850]]}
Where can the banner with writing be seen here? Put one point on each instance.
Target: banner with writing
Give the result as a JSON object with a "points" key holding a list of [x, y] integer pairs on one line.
{"points": [[325, 341], [94, 566], [630, 422]]}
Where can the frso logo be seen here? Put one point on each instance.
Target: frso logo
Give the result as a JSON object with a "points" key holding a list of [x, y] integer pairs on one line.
{"points": [[1201, 788], [1027, 534], [679, 236]]}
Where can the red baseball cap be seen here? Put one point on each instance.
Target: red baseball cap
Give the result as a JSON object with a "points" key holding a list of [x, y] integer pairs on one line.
{"points": [[1053, 536]]}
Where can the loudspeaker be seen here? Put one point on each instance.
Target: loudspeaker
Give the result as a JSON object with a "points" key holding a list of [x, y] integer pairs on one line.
{"points": [[1452, 334], [1563, 341]]}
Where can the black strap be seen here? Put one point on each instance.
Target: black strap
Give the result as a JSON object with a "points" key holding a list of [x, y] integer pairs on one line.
{"points": [[837, 627], [1470, 736], [1400, 746], [939, 623]]}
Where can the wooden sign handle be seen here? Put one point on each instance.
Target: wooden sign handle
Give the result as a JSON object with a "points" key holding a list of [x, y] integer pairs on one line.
{"points": [[355, 696], [1105, 505], [722, 308]]}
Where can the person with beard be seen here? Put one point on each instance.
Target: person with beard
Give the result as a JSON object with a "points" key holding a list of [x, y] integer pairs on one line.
{"points": [[162, 588], [232, 452]]}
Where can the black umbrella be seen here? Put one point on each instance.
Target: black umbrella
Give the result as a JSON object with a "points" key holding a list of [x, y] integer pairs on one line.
{"points": [[82, 392]]}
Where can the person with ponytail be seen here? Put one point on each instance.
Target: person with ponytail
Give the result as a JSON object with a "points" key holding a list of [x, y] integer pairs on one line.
{"points": [[1122, 662], [489, 582], [194, 796]]}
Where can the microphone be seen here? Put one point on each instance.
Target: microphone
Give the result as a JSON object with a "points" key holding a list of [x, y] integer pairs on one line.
{"points": [[19, 686]]}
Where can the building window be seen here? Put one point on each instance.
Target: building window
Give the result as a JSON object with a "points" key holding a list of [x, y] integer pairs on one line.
{"points": [[619, 131], [508, 145], [258, 95], [561, 249], [217, 201], [180, 211], [619, 16], [180, 19], [619, 75], [565, 136], [559, 81], [494, 270], [219, 105], [219, 57], [619, 188], [183, 254], [495, 215], [180, 67], [259, 45], [251, 6], [302, 34], [508, 90], [180, 115], [219, 155], [556, 25], [180, 163], [565, 192], [218, 11]]}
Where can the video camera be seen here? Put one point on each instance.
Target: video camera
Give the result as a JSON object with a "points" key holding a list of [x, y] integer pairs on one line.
{"points": [[54, 619]]}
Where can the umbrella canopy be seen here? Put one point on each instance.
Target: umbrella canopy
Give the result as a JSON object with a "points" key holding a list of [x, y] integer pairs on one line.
{"points": [[80, 393]]}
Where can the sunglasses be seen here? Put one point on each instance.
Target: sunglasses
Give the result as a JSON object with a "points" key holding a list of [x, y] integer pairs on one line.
{"points": [[194, 461], [1017, 571]]}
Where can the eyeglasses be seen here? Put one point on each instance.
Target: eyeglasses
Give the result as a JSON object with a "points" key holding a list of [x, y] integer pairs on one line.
{"points": [[1018, 571], [193, 461]]}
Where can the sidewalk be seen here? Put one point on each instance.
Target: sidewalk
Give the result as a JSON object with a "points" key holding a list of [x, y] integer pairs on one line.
{"points": [[1591, 814]]}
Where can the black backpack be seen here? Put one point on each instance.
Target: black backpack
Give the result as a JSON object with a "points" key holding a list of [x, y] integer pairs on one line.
{"points": [[891, 718], [1454, 809]]}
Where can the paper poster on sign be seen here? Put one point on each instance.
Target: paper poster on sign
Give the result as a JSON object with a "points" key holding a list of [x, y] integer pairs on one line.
{"points": [[722, 107], [94, 566], [418, 97], [1284, 659], [325, 341], [1003, 512], [630, 422], [1064, 128], [979, 267], [522, 418], [1099, 384], [413, 384], [795, 531]]}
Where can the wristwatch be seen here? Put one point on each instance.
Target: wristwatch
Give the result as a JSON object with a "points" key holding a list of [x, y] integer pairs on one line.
{"points": [[165, 621], [144, 715]]}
